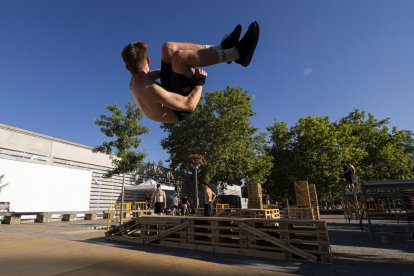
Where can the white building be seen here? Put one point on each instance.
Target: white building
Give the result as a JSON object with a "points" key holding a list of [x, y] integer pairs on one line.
{"points": [[39, 173]]}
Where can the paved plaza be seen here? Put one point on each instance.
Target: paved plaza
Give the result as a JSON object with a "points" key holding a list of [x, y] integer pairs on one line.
{"points": [[78, 248]]}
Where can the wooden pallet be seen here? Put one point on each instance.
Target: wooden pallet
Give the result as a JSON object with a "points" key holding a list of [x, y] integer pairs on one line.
{"points": [[255, 205], [313, 196], [299, 213], [260, 213], [254, 192], [302, 194], [314, 200], [242, 213], [270, 206], [269, 238]]}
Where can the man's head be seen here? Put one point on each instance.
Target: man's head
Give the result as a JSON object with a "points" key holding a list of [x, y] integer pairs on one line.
{"points": [[206, 184], [135, 56], [158, 186]]}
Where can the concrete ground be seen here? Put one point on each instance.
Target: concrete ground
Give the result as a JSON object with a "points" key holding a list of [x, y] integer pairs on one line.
{"points": [[78, 248]]}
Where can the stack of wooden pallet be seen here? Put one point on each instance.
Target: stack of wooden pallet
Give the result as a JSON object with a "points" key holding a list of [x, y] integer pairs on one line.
{"points": [[242, 213], [260, 213], [300, 213], [255, 200], [270, 206], [269, 238], [314, 200], [302, 194], [306, 201]]}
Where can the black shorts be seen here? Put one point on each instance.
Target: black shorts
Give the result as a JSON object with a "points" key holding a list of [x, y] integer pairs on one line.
{"points": [[208, 209], [176, 83], [348, 178], [158, 207]]}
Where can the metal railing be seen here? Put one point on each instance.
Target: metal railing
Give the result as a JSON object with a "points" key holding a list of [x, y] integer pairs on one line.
{"points": [[131, 210]]}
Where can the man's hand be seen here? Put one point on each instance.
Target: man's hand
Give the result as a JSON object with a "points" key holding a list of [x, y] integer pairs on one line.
{"points": [[200, 76]]}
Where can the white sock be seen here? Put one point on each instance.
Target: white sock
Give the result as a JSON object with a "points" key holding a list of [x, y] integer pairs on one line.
{"points": [[214, 47], [228, 55]]}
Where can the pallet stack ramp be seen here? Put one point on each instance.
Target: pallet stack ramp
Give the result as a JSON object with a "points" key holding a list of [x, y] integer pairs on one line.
{"points": [[306, 201], [302, 194]]}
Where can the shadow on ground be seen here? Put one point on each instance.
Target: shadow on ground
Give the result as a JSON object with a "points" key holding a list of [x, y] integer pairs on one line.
{"points": [[351, 235]]}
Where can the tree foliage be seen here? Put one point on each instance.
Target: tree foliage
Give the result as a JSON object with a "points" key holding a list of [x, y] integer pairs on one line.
{"points": [[313, 148], [221, 131], [125, 130], [387, 152]]}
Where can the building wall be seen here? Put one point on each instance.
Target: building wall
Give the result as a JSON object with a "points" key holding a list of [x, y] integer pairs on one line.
{"points": [[26, 146], [33, 187]]}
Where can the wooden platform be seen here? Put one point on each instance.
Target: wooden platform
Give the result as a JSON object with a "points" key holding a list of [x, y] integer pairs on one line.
{"points": [[269, 238]]}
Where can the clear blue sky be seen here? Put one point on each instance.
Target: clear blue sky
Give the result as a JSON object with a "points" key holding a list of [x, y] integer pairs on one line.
{"points": [[60, 60]]}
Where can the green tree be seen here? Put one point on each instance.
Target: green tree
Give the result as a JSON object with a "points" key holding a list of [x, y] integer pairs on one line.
{"points": [[125, 130], [387, 153], [312, 149], [221, 131], [308, 151]]}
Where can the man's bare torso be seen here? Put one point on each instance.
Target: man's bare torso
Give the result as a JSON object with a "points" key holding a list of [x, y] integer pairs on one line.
{"points": [[143, 91]]}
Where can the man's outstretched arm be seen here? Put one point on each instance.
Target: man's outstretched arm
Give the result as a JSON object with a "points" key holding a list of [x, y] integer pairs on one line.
{"points": [[176, 101]]}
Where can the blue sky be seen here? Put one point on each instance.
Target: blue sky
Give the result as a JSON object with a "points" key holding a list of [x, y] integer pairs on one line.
{"points": [[60, 60]]}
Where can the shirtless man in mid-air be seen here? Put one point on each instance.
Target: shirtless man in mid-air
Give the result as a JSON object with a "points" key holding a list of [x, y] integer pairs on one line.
{"points": [[181, 81]]}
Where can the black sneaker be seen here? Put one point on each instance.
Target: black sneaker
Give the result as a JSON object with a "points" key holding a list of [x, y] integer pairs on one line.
{"points": [[247, 44], [230, 40]]}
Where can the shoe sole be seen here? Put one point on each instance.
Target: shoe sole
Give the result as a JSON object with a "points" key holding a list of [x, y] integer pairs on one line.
{"points": [[249, 56]]}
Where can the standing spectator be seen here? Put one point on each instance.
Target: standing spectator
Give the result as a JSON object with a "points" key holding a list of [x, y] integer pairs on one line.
{"points": [[175, 205], [159, 200], [209, 197], [353, 175], [185, 205], [148, 202], [347, 174]]}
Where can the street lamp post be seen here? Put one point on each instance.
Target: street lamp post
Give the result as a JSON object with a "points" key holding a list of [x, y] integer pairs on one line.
{"points": [[121, 219], [196, 161], [196, 186]]}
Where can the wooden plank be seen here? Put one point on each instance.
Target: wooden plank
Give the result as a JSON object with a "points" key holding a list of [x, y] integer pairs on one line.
{"points": [[288, 247], [168, 232]]}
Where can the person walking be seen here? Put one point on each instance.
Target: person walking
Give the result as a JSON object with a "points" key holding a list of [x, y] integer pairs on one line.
{"points": [[185, 205], [174, 210]]}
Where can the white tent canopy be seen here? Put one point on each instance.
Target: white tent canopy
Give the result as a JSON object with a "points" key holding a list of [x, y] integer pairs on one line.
{"points": [[149, 184]]}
